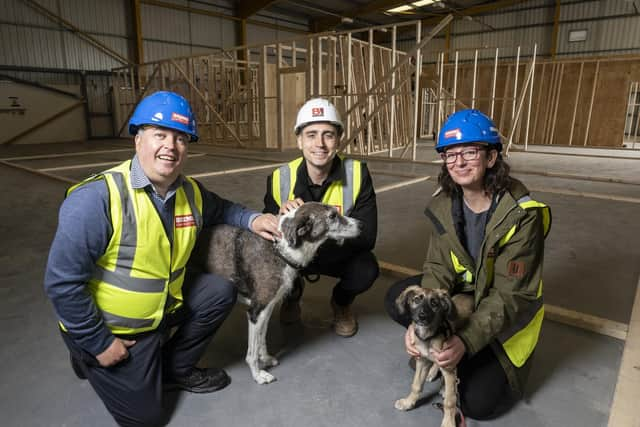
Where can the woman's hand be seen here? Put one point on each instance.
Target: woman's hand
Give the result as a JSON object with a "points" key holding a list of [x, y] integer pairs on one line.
{"points": [[452, 351], [410, 342]]}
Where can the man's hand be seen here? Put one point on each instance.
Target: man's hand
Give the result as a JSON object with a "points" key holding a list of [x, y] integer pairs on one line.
{"points": [[291, 205], [452, 351], [266, 226], [410, 342], [115, 353]]}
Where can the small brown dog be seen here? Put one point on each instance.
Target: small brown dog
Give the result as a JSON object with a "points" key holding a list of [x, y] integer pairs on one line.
{"points": [[435, 316]]}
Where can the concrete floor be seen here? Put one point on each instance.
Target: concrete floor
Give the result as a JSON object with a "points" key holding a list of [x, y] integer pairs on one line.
{"points": [[591, 267]]}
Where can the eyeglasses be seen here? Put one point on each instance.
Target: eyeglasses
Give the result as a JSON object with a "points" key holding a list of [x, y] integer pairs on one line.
{"points": [[467, 154]]}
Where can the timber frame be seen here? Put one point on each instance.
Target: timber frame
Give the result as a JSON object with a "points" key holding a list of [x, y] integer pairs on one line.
{"points": [[248, 96]]}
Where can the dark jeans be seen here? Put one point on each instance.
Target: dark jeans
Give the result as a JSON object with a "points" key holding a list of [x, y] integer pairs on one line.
{"points": [[132, 389], [356, 273], [484, 389]]}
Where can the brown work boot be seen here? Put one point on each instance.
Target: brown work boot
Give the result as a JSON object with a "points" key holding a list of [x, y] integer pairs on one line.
{"points": [[290, 312], [344, 321]]}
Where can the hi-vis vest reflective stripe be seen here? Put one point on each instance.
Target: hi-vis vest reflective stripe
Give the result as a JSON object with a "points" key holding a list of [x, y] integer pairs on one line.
{"points": [[339, 194], [141, 272], [521, 338]]}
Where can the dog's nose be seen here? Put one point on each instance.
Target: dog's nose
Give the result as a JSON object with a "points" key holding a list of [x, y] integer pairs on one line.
{"points": [[422, 315]]}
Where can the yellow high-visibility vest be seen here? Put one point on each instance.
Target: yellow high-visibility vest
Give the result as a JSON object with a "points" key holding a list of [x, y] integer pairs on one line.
{"points": [[521, 338], [340, 194], [141, 273]]}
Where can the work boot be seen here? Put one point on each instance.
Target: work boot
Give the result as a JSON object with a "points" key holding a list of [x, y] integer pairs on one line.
{"points": [[290, 312], [344, 321], [77, 369], [199, 381]]}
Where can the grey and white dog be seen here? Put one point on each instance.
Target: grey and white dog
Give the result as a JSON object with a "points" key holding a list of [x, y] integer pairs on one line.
{"points": [[264, 271]]}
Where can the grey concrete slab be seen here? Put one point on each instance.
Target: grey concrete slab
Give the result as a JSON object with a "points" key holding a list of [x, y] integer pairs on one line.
{"points": [[591, 266], [603, 189], [78, 160]]}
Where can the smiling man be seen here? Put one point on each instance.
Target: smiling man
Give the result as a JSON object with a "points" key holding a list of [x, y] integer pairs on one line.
{"points": [[117, 274], [321, 175]]}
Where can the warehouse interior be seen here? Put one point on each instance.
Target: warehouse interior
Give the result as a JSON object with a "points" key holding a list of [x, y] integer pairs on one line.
{"points": [[560, 78]]}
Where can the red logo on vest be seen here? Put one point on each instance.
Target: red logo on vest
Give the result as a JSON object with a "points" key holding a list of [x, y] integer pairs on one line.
{"points": [[317, 112], [182, 221], [175, 117]]}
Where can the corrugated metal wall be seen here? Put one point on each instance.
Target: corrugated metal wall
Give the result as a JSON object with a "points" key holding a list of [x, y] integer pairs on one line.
{"points": [[613, 27], [36, 48], [29, 39]]}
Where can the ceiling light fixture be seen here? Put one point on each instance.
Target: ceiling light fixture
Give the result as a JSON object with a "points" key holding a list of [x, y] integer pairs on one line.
{"points": [[400, 9]]}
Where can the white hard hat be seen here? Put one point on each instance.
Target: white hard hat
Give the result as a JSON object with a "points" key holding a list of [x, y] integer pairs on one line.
{"points": [[318, 110]]}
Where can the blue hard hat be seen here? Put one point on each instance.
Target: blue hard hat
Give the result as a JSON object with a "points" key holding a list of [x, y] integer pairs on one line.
{"points": [[466, 126], [165, 109]]}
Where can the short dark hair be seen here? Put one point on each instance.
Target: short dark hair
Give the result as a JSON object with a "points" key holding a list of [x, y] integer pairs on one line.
{"points": [[496, 178]]}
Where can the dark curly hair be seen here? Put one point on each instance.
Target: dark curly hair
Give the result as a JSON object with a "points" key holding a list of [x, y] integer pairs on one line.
{"points": [[496, 179]]}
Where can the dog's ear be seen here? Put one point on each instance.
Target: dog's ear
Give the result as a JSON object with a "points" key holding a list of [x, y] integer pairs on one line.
{"points": [[290, 232], [403, 298], [294, 228]]}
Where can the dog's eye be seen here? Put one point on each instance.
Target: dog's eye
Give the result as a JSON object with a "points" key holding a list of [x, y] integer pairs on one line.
{"points": [[418, 299], [333, 215]]}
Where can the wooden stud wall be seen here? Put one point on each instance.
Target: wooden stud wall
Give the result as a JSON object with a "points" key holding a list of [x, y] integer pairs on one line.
{"points": [[254, 102], [577, 102]]}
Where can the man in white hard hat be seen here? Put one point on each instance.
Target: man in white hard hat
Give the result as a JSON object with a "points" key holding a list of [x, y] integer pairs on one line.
{"points": [[321, 175]]}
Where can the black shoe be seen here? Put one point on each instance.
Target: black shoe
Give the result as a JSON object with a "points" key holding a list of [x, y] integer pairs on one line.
{"points": [[77, 369], [199, 381]]}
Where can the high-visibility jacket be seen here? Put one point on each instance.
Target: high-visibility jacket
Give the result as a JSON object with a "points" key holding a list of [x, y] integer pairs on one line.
{"points": [[340, 194], [506, 281], [140, 275]]}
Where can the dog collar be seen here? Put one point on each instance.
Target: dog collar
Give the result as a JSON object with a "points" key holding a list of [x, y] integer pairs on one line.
{"points": [[291, 263]]}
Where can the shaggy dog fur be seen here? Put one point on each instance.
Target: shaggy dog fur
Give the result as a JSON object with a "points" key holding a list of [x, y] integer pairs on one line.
{"points": [[264, 271], [435, 316]]}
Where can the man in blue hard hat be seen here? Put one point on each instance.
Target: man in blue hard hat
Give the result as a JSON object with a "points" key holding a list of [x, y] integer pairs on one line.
{"points": [[488, 242], [117, 276]]}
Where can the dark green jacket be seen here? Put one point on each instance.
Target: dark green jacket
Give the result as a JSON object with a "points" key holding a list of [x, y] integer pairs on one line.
{"points": [[506, 282]]}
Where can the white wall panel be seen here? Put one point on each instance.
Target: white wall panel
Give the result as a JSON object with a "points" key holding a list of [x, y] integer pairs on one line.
{"points": [[31, 47]]}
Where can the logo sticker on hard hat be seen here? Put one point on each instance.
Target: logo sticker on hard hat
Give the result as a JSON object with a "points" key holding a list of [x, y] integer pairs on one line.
{"points": [[317, 112], [157, 117], [453, 133], [175, 117]]}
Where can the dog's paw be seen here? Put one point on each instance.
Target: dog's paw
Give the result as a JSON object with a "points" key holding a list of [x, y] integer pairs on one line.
{"points": [[405, 404], [264, 377], [268, 361]]}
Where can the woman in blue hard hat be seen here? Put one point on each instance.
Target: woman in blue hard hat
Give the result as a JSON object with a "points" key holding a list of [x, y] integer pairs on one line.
{"points": [[488, 242], [117, 275]]}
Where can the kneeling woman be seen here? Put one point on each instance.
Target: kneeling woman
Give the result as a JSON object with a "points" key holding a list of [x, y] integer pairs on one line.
{"points": [[487, 241]]}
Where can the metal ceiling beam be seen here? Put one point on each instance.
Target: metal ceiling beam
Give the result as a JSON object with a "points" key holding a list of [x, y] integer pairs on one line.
{"points": [[477, 10], [247, 8], [556, 26], [77, 31], [174, 6], [324, 24], [137, 25]]}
